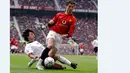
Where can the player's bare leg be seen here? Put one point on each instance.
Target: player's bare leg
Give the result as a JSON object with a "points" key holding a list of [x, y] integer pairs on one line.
{"points": [[56, 66], [50, 45], [50, 50]]}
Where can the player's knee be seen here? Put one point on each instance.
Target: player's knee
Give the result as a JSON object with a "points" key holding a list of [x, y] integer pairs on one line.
{"points": [[55, 57], [50, 46], [55, 50], [52, 53]]}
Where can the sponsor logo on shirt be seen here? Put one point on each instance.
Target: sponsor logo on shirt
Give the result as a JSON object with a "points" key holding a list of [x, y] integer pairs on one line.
{"points": [[64, 22]]}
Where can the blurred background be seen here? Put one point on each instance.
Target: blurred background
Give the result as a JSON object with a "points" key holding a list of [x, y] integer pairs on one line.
{"points": [[35, 14]]}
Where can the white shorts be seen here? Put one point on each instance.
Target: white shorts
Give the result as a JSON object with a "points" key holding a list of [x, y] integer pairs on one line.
{"points": [[81, 50], [14, 47], [57, 38]]}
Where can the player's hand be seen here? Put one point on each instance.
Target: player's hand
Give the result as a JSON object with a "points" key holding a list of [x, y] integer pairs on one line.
{"points": [[36, 57], [64, 36], [51, 23]]}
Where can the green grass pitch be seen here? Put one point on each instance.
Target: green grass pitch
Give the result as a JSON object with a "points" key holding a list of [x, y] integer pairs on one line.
{"points": [[86, 64]]}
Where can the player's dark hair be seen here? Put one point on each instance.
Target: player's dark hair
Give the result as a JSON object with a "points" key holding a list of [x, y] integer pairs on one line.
{"points": [[70, 2], [26, 34]]}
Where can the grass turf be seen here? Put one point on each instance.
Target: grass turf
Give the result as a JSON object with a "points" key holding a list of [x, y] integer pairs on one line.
{"points": [[86, 64]]}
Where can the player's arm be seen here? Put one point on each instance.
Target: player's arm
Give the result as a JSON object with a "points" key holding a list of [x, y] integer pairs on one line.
{"points": [[72, 28], [32, 56], [64, 36], [51, 22], [54, 20]]}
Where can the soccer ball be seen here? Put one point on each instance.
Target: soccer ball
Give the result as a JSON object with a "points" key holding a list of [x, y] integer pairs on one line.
{"points": [[49, 62]]}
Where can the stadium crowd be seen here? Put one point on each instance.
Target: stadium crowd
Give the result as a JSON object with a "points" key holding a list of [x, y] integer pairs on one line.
{"points": [[80, 4], [30, 22], [96, 1], [86, 29], [11, 2], [39, 3]]}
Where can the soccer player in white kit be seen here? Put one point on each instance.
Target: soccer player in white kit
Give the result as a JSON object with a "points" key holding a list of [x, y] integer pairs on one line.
{"points": [[95, 45], [37, 52]]}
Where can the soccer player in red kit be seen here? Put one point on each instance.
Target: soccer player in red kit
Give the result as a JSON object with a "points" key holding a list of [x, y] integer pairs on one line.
{"points": [[61, 26], [14, 45], [81, 46]]}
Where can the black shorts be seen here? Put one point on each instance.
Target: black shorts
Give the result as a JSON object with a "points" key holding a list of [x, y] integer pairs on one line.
{"points": [[12, 50], [96, 49], [44, 55]]}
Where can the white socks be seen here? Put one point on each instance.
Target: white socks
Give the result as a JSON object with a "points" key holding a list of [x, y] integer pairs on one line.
{"points": [[64, 60], [31, 62], [34, 60], [38, 66], [39, 62], [97, 56]]}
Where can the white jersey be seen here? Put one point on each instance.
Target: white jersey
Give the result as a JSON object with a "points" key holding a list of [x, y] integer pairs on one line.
{"points": [[35, 48], [95, 43]]}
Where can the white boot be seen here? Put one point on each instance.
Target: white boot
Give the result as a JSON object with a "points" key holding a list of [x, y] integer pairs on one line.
{"points": [[38, 66]]}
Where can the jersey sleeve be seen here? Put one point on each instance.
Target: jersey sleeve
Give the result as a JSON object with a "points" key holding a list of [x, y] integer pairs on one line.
{"points": [[72, 28], [28, 49], [55, 18]]}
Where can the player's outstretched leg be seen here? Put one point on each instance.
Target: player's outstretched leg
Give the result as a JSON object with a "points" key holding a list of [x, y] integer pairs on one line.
{"points": [[74, 65], [50, 45], [55, 66], [58, 66], [32, 62], [38, 65], [42, 58], [66, 61]]}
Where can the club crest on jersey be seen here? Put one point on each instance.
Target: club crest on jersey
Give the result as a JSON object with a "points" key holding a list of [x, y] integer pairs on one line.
{"points": [[70, 20], [64, 22]]}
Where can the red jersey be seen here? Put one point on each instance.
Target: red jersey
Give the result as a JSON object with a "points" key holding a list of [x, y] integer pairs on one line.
{"points": [[64, 24], [14, 42], [81, 45]]}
